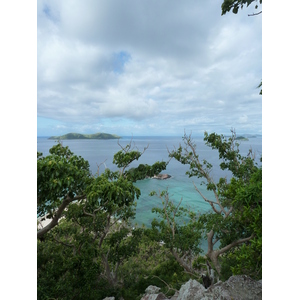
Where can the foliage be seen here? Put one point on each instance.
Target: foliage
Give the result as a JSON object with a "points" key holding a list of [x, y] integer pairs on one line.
{"points": [[235, 5], [178, 230], [94, 251], [234, 223], [59, 175], [260, 86], [151, 265], [66, 269], [247, 259], [79, 257]]}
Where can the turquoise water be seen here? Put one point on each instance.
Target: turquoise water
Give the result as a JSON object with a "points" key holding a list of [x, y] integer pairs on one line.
{"points": [[179, 185]]}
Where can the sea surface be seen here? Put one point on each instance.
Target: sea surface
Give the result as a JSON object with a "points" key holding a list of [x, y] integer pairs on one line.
{"points": [[180, 186]]}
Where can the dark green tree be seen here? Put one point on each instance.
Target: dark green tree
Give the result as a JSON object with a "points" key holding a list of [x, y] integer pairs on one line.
{"points": [[64, 178], [90, 233], [179, 231], [233, 226]]}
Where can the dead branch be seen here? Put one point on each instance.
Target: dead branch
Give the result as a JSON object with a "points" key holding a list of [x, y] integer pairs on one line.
{"points": [[58, 214], [169, 288], [233, 244], [255, 14]]}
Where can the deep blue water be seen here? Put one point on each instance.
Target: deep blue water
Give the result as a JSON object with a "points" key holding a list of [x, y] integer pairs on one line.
{"points": [[179, 185]]}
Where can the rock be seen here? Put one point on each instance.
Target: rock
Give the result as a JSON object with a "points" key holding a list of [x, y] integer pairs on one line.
{"points": [[239, 287], [191, 290], [161, 176], [109, 298], [206, 281], [152, 289], [159, 296], [152, 293]]}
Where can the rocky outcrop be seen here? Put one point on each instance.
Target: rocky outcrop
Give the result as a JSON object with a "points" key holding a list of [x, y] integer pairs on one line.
{"points": [[239, 287], [152, 289], [161, 176], [152, 293]]}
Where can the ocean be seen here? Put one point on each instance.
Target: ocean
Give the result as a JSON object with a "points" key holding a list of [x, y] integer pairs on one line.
{"points": [[180, 186]]}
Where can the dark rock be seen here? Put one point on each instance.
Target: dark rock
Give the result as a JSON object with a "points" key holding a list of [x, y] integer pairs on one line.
{"points": [[206, 281], [161, 176]]}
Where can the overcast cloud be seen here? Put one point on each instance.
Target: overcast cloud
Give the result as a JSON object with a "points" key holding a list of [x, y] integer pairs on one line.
{"points": [[140, 67]]}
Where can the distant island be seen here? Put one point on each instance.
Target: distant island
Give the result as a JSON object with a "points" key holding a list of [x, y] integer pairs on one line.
{"points": [[79, 136], [242, 138]]}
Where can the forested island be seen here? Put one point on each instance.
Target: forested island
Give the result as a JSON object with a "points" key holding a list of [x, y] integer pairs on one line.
{"points": [[79, 136]]}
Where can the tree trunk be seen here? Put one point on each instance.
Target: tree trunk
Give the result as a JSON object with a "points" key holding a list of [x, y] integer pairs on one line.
{"points": [[182, 262], [213, 255], [57, 215]]}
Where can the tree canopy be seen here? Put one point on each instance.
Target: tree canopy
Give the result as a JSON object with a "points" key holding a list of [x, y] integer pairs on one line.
{"points": [[92, 250], [234, 225], [90, 233], [235, 5]]}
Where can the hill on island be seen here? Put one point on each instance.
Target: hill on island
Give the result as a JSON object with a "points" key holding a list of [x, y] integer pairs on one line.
{"points": [[79, 136], [242, 138]]}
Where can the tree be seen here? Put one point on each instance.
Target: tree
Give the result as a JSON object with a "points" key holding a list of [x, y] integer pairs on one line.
{"points": [[234, 223], [235, 5], [178, 230], [90, 235], [64, 178]]}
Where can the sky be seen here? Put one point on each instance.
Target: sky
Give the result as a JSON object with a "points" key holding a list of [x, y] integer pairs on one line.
{"points": [[147, 68]]}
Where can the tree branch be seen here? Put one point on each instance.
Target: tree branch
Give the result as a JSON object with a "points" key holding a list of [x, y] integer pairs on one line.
{"points": [[211, 202], [58, 214], [169, 288], [233, 244], [255, 14], [181, 262]]}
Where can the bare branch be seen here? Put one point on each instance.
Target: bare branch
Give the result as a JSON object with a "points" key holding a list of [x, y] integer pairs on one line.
{"points": [[98, 167], [210, 201], [169, 288], [182, 262], [58, 214], [234, 244], [255, 14], [215, 241]]}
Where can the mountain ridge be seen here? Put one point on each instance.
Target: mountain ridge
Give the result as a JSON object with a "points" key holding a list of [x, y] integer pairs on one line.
{"points": [[81, 136]]}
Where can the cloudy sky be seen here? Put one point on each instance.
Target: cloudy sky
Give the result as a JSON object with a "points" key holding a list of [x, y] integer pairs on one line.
{"points": [[140, 67]]}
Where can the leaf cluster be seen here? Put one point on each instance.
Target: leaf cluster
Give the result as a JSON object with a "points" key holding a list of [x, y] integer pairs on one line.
{"points": [[60, 174], [235, 5]]}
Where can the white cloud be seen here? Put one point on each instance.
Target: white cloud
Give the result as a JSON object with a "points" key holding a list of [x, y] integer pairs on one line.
{"points": [[183, 65]]}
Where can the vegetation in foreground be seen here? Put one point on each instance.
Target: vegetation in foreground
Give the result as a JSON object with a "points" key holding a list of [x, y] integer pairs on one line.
{"points": [[90, 249]]}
